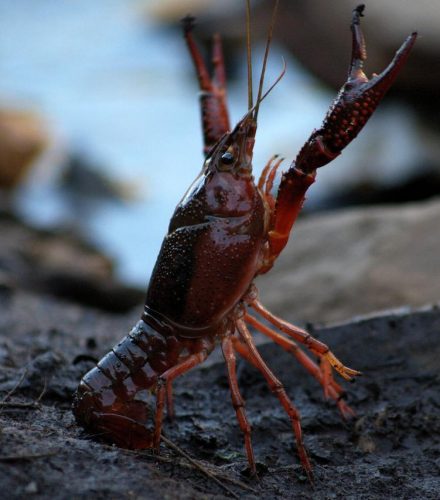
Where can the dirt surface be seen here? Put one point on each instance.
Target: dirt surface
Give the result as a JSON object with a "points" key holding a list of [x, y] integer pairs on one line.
{"points": [[391, 450]]}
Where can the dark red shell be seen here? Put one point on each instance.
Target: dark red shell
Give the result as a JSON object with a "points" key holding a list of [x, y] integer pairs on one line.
{"points": [[210, 254]]}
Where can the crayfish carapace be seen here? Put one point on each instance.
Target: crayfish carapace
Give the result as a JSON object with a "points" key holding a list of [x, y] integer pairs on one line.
{"points": [[224, 232]]}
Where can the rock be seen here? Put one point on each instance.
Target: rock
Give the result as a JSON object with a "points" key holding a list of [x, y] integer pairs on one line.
{"points": [[62, 264], [31, 488], [83, 180], [22, 138], [171, 11], [317, 33], [356, 261], [422, 185]]}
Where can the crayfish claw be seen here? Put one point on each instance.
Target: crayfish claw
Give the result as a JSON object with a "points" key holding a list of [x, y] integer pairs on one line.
{"points": [[382, 82], [359, 49], [356, 102]]}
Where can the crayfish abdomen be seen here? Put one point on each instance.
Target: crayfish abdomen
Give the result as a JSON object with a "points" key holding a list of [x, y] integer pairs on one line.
{"points": [[114, 399]]}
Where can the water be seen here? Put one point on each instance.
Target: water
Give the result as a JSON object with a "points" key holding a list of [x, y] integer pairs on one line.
{"points": [[121, 90]]}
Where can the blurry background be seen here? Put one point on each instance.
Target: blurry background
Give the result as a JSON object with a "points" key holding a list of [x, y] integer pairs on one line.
{"points": [[99, 119]]}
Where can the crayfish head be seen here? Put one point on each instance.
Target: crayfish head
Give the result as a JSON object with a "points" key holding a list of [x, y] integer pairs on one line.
{"points": [[233, 152]]}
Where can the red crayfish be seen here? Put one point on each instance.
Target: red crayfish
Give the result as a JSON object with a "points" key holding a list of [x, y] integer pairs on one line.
{"points": [[224, 232]]}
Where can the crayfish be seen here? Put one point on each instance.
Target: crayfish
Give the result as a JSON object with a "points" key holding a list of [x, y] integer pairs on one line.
{"points": [[225, 232]]}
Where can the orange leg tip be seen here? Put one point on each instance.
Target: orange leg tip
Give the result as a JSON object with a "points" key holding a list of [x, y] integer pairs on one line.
{"points": [[309, 474], [346, 412], [305, 463], [253, 471], [344, 371]]}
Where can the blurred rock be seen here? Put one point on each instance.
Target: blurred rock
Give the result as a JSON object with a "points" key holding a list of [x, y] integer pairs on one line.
{"points": [[84, 180], [60, 264], [22, 138], [419, 186], [317, 33], [170, 11], [355, 261]]}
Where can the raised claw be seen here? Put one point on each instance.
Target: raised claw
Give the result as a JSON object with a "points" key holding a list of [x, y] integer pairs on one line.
{"points": [[215, 117], [355, 103]]}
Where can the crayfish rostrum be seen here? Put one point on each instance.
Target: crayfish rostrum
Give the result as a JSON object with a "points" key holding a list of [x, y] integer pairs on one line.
{"points": [[224, 232]]}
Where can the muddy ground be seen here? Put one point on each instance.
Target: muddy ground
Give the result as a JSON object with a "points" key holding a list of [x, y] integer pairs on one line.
{"points": [[391, 450]]}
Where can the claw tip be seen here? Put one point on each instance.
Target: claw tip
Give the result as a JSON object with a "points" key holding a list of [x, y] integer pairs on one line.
{"points": [[188, 23], [358, 12]]}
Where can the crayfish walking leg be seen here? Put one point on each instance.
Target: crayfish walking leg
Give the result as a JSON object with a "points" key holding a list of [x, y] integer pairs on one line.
{"points": [[237, 400], [164, 383], [323, 376], [278, 389]]}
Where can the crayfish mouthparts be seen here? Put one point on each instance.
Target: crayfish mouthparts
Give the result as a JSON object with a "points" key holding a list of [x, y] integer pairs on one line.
{"points": [[225, 231]]}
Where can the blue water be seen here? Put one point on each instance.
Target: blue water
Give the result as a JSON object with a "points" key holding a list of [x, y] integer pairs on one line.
{"points": [[120, 89]]}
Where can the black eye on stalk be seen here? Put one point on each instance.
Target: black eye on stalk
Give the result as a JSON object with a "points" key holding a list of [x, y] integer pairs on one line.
{"points": [[227, 158]]}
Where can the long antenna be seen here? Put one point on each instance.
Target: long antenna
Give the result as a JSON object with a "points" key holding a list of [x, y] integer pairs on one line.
{"points": [[274, 84], [266, 55], [268, 91], [249, 54]]}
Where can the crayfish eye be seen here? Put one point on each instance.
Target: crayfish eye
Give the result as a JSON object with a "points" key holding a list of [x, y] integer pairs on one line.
{"points": [[227, 158]]}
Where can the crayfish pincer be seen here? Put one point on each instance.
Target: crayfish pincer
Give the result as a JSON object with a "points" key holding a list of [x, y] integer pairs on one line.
{"points": [[224, 232]]}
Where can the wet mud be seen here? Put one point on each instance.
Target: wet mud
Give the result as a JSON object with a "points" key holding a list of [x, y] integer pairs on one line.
{"points": [[391, 450]]}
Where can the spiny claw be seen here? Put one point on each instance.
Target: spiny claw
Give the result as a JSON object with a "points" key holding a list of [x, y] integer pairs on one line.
{"points": [[212, 95], [344, 371], [355, 103]]}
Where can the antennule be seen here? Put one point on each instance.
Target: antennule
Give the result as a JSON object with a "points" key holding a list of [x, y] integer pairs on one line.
{"points": [[249, 54], [250, 111], [269, 90], [266, 55]]}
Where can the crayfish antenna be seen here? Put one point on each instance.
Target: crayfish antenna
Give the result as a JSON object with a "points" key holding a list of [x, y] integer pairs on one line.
{"points": [[249, 55], [265, 58]]}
